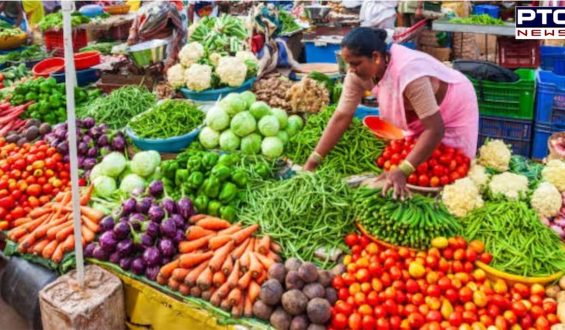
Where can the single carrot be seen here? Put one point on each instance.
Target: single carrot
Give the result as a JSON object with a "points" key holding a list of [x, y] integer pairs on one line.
{"points": [[52, 232], [21, 221], [265, 261], [204, 280], [37, 212], [238, 251], [225, 305], [237, 307], [87, 234], [262, 278], [26, 242], [189, 260], [92, 214], [218, 278], [39, 246], [220, 255], [254, 265], [234, 275], [227, 266], [231, 230], [32, 225], [197, 217], [64, 198], [196, 232], [276, 248], [191, 246], [179, 274], [161, 280], [192, 276], [244, 233], [85, 198], [248, 308], [167, 269], [213, 223], [195, 291], [234, 297], [173, 284], [253, 291], [184, 290], [69, 243], [217, 242], [220, 294], [263, 245], [244, 261], [63, 234], [273, 256], [206, 295], [58, 254], [89, 224], [16, 233], [244, 281]]}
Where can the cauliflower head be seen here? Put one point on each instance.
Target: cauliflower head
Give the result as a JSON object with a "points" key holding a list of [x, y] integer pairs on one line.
{"points": [[461, 197], [495, 154], [246, 55], [198, 77], [191, 53], [175, 76], [478, 175], [232, 71], [215, 58], [512, 186], [554, 173], [546, 200]]}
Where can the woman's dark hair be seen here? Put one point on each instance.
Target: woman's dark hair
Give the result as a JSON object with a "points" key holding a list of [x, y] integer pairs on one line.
{"points": [[364, 41]]}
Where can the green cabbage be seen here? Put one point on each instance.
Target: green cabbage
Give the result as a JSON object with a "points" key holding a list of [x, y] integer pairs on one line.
{"points": [[251, 144], [260, 109], [269, 125], [294, 125], [272, 147], [243, 124], [209, 138], [283, 136], [95, 172], [217, 119], [113, 164], [132, 182], [144, 163], [233, 104], [248, 97], [104, 186], [281, 116], [229, 141]]}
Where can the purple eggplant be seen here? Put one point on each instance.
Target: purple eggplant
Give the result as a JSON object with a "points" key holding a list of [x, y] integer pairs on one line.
{"points": [[89, 163], [114, 258], [125, 247], [66, 159], [166, 260], [121, 230], [169, 205], [185, 207], [156, 188], [92, 152], [88, 140], [88, 122], [168, 228], [63, 148], [94, 132], [167, 247], [138, 266], [82, 148], [136, 219], [146, 240], [118, 143], [103, 141], [125, 263], [60, 132], [179, 236], [152, 229], [128, 206], [89, 249], [99, 253], [178, 219], [152, 272], [156, 213], [107, 224], [108, 241], [152, 256], [144, 205]]}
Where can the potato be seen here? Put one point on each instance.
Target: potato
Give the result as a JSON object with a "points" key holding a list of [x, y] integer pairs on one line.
{"points": [[560, 297], [292, 264], [552, 291], [561, 311], [299, 322], [316, 327], [293, 281], [559, 326], [562, 283], [31, 133], [314, 290], [331, 295], [277, 272], [308, 272], [280, 320], [294, 302], [325, 278], [319, 310], [271, 292], [261, 310], [44, 129]]}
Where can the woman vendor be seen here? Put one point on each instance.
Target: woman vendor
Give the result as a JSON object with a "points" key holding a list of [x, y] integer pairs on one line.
{"points": [[159, 20], [416, 93]]}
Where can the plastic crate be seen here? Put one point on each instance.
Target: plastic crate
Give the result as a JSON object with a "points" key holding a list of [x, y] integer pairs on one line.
{"points": [[320, 53], [553, 59], [493, 11], [516, 132], [54, 41], [542, 132], [508, 100], [550, 106], [514, 53]]}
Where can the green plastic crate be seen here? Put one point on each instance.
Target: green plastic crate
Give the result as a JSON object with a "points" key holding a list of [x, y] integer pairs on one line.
{"points": [[510, 100]]}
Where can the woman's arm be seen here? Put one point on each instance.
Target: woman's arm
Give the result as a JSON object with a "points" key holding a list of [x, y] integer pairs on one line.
{"points": [[428, 141]]}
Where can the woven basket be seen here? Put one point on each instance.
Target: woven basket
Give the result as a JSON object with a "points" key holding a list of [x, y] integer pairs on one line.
{"points": [[11, 42], [441, 53]]}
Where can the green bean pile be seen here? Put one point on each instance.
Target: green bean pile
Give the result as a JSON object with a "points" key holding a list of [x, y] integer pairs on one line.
{"points": [[412, 223], [520, 244], [483, 19], [304, 213], [120, 106], [354, 154], [168, 119]]}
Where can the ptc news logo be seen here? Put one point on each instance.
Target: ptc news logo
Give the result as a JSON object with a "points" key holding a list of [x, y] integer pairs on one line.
{"points": [[540, 22]]}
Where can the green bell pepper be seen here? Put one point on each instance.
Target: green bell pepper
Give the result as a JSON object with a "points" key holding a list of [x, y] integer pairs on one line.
{"points": [[228, 192], [214, 208], [263, 170], [168, 184], [209, 160], [194, 163], [228, 212], [181, 176], [31, 96], [211, 187], [201, 203], [195, 180], [221, 171], [240, 178], [228, 159], [169, 168]]}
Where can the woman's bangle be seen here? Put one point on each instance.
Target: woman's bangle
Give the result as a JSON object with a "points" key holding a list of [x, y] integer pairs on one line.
{"points": [[406, 167], [316, 157]]}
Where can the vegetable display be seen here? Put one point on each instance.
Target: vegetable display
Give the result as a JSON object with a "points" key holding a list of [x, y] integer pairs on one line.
{"points": [[9, 31], [12, 74], [483, 19], [354, 154], [288, 23], [519, 242], [10, 117], [31, 53], [47, 231], [221, 263], [168, 119], [55, 20], [225, 34], [412, 224], [444, 166], [303, 214]]}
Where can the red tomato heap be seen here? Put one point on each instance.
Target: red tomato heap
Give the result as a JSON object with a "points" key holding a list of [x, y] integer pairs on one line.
{"points": [[444, 166], [390, 288], [30, 176]]}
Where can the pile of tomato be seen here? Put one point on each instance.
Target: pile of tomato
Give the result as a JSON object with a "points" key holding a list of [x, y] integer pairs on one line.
{"points": [[444, 166], [388, 288], [30, 176]]}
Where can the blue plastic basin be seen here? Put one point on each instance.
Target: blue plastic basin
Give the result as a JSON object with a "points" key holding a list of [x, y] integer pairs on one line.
{"points": [[215, 94], [173, 144]]}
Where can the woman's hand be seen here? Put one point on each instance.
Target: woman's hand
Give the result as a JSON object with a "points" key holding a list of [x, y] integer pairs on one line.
{"points": [[310, 165], [396, 180]]}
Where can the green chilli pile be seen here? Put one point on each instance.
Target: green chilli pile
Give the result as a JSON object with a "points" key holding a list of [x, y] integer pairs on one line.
{"points": [[354, 154], [168, 119], [412, 223], [518, 241]]}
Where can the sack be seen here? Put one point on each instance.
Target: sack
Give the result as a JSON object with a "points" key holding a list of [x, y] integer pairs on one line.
{"points": [[482, 70]]}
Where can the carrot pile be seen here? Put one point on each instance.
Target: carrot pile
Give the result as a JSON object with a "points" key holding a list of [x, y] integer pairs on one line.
{"points": [[222, 263], [47, 231]]}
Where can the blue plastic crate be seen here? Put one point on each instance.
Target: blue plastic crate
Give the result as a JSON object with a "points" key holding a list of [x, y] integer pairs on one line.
{"points": [[364, 111], [493, 11], [320, 53], [550, 105], [542, 132], [553, 59], [516, 132]]}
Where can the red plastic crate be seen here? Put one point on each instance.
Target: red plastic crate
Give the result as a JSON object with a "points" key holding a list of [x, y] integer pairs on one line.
{"points": [[515, 54], [54, 41]]}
